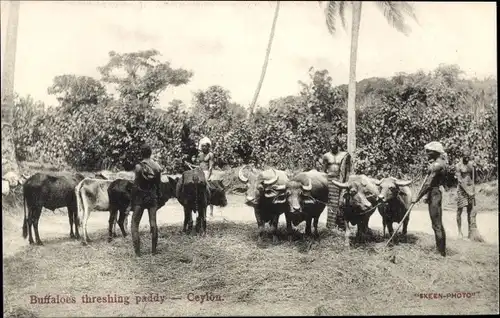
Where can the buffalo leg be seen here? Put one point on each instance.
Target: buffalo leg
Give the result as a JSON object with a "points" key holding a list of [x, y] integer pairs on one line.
{"points": [[122, 220], [136, 219], [260, 224], [115, 222], [274, 228], [390, 228], [315, 224], [71, 217], [211, 210], [188, 222], [35, 227], [383, 226], [405, 226], [31, 212], [76, 221], [362, 231], [202, 219], [308, 226], [289, 229], [127, 213], [154, 228], [111, 223], [198, 223], [86, 215]]}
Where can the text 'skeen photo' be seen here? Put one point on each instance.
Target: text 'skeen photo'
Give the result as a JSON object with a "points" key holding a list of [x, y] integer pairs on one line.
{"points": [[249, 158]]}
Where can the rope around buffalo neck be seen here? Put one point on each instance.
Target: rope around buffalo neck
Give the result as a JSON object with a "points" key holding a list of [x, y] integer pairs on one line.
{"points": [[362, 213]]}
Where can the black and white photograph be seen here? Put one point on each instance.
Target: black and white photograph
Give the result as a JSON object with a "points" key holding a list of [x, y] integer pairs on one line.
{"points": [[249, 158]]}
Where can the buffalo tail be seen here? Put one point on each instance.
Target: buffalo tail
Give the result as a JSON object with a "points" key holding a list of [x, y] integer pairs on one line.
{"points": [[25, 222]]}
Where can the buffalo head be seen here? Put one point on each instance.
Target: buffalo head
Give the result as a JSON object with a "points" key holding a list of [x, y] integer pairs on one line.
{"points": [[167, 187], [390, 188], [217, 193], [298, 194], [355, 190], [262, 184]]}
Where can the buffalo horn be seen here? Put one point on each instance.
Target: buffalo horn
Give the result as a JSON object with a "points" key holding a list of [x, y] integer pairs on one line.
{"points": [[241, 176], [272, 180], [280, 187], [308, 187], [401, 183], [341, 185]]}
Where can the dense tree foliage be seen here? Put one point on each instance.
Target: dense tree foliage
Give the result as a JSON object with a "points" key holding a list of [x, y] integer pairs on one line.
{"points": [[396, 117], [74, 91]]}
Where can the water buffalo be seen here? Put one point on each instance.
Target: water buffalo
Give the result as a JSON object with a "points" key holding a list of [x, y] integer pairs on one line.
{"points": [[358, 200], [217, 194], [51, 191], [193, 194], [307, 194], [396, 198], [266, 193]]}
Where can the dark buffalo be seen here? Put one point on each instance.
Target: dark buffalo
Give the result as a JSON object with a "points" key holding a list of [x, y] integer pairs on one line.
{"points": [[396, 198], [51, 191], [119, 193], [217, 194], [266, 193], [194, 195], [358, 200], [307, 194]]}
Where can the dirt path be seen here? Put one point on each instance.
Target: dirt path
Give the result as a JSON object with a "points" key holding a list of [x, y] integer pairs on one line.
{"points": [[56, 225]]}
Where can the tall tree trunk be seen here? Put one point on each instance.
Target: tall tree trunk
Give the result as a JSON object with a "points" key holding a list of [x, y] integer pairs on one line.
{"points": [[266, 60], [9, 162], [351, 100]]}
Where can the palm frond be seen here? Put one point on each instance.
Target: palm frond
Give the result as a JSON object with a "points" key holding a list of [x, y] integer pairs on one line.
{"points": [[331, 13], [342, 13], [393, 12], [409, 10]]}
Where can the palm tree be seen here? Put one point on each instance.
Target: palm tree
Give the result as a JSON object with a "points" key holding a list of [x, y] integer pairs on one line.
{"points": [[9, 162], [266, 59], [395, 13]]}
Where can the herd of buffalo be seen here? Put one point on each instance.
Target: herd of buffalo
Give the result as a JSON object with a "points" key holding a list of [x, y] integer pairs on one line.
{"points": [[270, 192]]}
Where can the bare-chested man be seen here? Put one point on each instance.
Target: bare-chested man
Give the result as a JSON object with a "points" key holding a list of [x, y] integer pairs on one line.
{"points": [[465, 174], [337, 165], [431, 189]]}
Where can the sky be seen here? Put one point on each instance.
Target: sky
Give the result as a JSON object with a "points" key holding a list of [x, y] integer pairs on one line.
{"points": [[224, 43]]}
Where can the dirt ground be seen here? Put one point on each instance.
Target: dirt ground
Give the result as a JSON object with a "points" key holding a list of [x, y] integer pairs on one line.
{"points": [[54, 225], [63, 266]]}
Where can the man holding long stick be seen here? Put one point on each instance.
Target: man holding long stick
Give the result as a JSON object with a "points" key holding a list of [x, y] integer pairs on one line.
{"points": [[436, 176], [465, 172]]}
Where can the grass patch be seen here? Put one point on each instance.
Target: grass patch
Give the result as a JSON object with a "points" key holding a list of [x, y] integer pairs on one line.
{"points": [[301, 278]]}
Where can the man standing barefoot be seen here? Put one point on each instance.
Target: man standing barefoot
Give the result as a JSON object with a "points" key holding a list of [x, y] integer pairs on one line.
{"points": [[435, 178], [145, 195], [337, 166], [465, 172]]}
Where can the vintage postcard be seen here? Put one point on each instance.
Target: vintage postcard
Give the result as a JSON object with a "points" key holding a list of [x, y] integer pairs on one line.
{"points": [[249, 158]]}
